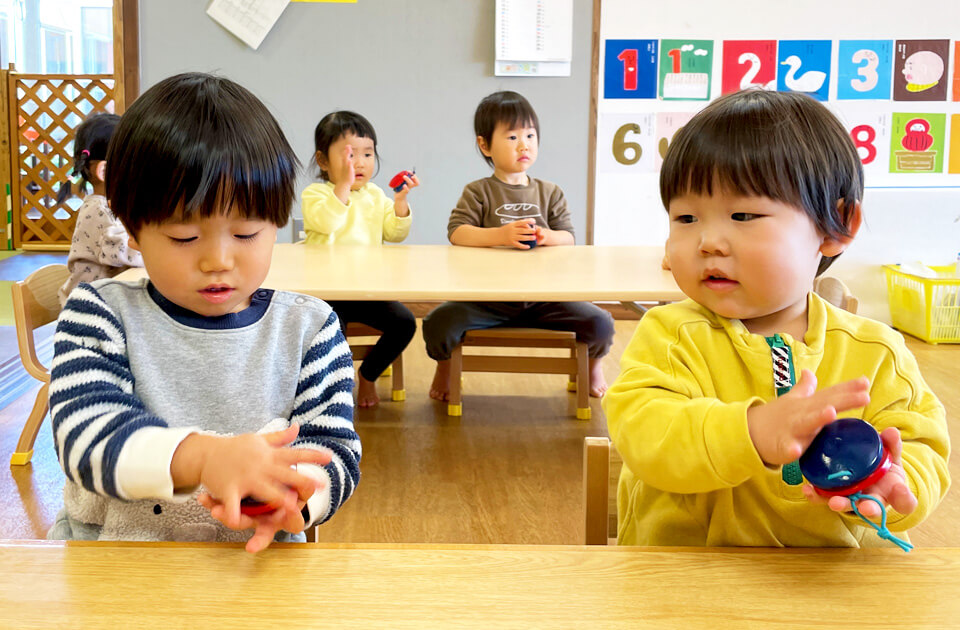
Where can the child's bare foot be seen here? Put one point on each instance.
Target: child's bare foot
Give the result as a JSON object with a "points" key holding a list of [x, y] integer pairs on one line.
{"points": [[598, 384], [440, 388], [366, 393]]}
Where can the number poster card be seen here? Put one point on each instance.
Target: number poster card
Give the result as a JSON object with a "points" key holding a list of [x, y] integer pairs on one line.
{"points": [[625, 143], [804, 66], [863, 69], [630, 68], [668, 124], [870, 131], [749, 64], [916, 142], [920, 70], [685, 68]]}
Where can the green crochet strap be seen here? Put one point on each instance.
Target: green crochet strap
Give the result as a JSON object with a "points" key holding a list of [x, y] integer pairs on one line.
{"points": [[784, 379]]}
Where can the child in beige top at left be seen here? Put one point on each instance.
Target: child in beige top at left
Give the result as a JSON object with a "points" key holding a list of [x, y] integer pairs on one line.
{"points": [[99, 246]]}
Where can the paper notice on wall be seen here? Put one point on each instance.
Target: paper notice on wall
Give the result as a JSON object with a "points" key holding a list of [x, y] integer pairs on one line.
{"points": [[249, 20], [534, 31]]}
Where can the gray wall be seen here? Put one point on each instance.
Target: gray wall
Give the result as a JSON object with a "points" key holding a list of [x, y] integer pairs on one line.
{"points": [[415, 68]]}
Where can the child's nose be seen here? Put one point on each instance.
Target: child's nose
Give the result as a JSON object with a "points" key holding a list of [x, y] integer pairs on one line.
{"points": [[216, 257], [713, 243]]}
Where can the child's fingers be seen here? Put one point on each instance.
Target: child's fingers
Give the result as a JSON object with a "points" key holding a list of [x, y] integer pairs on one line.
{"points": [[303, 485], [806, 384], [281, 438], [294, 456], [892, 442], [262, 537], [901, 499]]}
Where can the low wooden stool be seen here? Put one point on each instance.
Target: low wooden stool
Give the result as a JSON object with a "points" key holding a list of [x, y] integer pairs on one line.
{"points": [[361, 350], [576, 365]]}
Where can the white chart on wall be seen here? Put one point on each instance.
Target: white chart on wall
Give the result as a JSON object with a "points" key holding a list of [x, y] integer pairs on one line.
{"points": [[632, 132]]}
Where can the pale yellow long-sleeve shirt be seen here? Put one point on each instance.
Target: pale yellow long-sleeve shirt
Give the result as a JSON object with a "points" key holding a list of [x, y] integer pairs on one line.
{"points": [[368, 219], [677, 414]]}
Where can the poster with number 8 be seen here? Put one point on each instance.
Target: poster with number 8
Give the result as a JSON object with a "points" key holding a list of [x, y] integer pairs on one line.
{"points": [[870, 131], [625, 143]]}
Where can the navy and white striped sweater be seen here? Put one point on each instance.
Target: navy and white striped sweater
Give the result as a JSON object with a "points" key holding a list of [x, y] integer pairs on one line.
{"points": [[133, 374]]}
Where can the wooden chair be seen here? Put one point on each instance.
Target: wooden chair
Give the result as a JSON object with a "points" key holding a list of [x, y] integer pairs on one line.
{"points": [[361, 350], [836, 292], [601, 472], [576, 365], [35, 304]]}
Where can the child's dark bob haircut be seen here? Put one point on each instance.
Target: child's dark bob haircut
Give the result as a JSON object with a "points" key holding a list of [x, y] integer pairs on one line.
{"points": [[508, 108], [334, 126], [196, 145], [782, 145], [89, 145]]}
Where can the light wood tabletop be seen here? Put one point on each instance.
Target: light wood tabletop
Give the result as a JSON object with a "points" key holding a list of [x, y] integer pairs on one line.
{"points": [[446, 272], [170, 585]]}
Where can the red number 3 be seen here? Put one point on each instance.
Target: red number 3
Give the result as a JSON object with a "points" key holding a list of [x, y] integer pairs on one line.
{"points": [[863, 137]]}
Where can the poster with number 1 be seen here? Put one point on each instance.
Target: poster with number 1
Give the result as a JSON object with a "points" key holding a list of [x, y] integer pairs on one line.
{"points": [[630, 68]]}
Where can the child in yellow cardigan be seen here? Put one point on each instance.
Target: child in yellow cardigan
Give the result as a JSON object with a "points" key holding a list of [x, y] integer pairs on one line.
{"points": [[347, 208], [719, 395]]}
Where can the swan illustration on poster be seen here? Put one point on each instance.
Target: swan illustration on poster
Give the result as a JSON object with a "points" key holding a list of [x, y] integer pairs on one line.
{"points": [[804, 66]]}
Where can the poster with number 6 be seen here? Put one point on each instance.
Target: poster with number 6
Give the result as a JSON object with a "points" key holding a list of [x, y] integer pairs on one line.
{"points": [[625, 143]]}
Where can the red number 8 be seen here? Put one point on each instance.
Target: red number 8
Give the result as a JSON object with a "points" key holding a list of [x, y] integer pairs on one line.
{"points": [[865, 143]]}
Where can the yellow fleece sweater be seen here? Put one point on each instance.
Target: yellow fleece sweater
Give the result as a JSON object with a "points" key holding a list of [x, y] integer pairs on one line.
{"points": [[677, 414], [368, 218]]}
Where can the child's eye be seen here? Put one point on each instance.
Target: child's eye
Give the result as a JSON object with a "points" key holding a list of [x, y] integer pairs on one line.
{"points": [[531, 136], [246, 237], [685, 218], [183, 241], [511, 137], [744, 216]]}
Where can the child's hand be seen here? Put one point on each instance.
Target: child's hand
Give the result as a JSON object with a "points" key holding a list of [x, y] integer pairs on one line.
{"points": [[513, 234], [781, 430], [288, 517], [342, 174], [409, 181], [256, 465], [891, 489], [400, 207]]}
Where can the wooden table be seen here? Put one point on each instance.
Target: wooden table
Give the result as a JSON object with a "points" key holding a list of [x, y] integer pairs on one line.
{"points": [[445, 272], [169, 585]]}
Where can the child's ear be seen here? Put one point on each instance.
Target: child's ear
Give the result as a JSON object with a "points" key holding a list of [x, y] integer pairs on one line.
{"points": [[321, 160], [484, 148], [834, 246], [101, 171], [132, 242]]}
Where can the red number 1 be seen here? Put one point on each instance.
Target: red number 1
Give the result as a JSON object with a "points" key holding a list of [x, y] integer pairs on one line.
{"points": [[675, 55], [629, 58]]}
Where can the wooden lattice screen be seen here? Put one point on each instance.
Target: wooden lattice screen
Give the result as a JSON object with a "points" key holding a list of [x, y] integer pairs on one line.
{"points": [[44, 110]]}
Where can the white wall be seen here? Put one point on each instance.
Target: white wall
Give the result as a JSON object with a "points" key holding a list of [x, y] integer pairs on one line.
{"points": [[902, 224], [415, 68]]}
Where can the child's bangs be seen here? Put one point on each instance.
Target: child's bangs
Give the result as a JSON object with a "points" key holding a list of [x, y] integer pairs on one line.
{"points": [[216, 184], [728, 160]]}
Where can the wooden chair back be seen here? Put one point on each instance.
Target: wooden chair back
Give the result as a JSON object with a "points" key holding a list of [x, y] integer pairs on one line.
{"points": [[833, 290], [35, 304], [601, 473]]}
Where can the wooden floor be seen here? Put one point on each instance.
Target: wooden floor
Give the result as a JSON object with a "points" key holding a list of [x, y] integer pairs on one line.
{"points": [[508, 471]]}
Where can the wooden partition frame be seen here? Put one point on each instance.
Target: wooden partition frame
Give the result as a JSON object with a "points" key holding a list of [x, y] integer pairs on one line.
{"points": [[592, 139]]}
